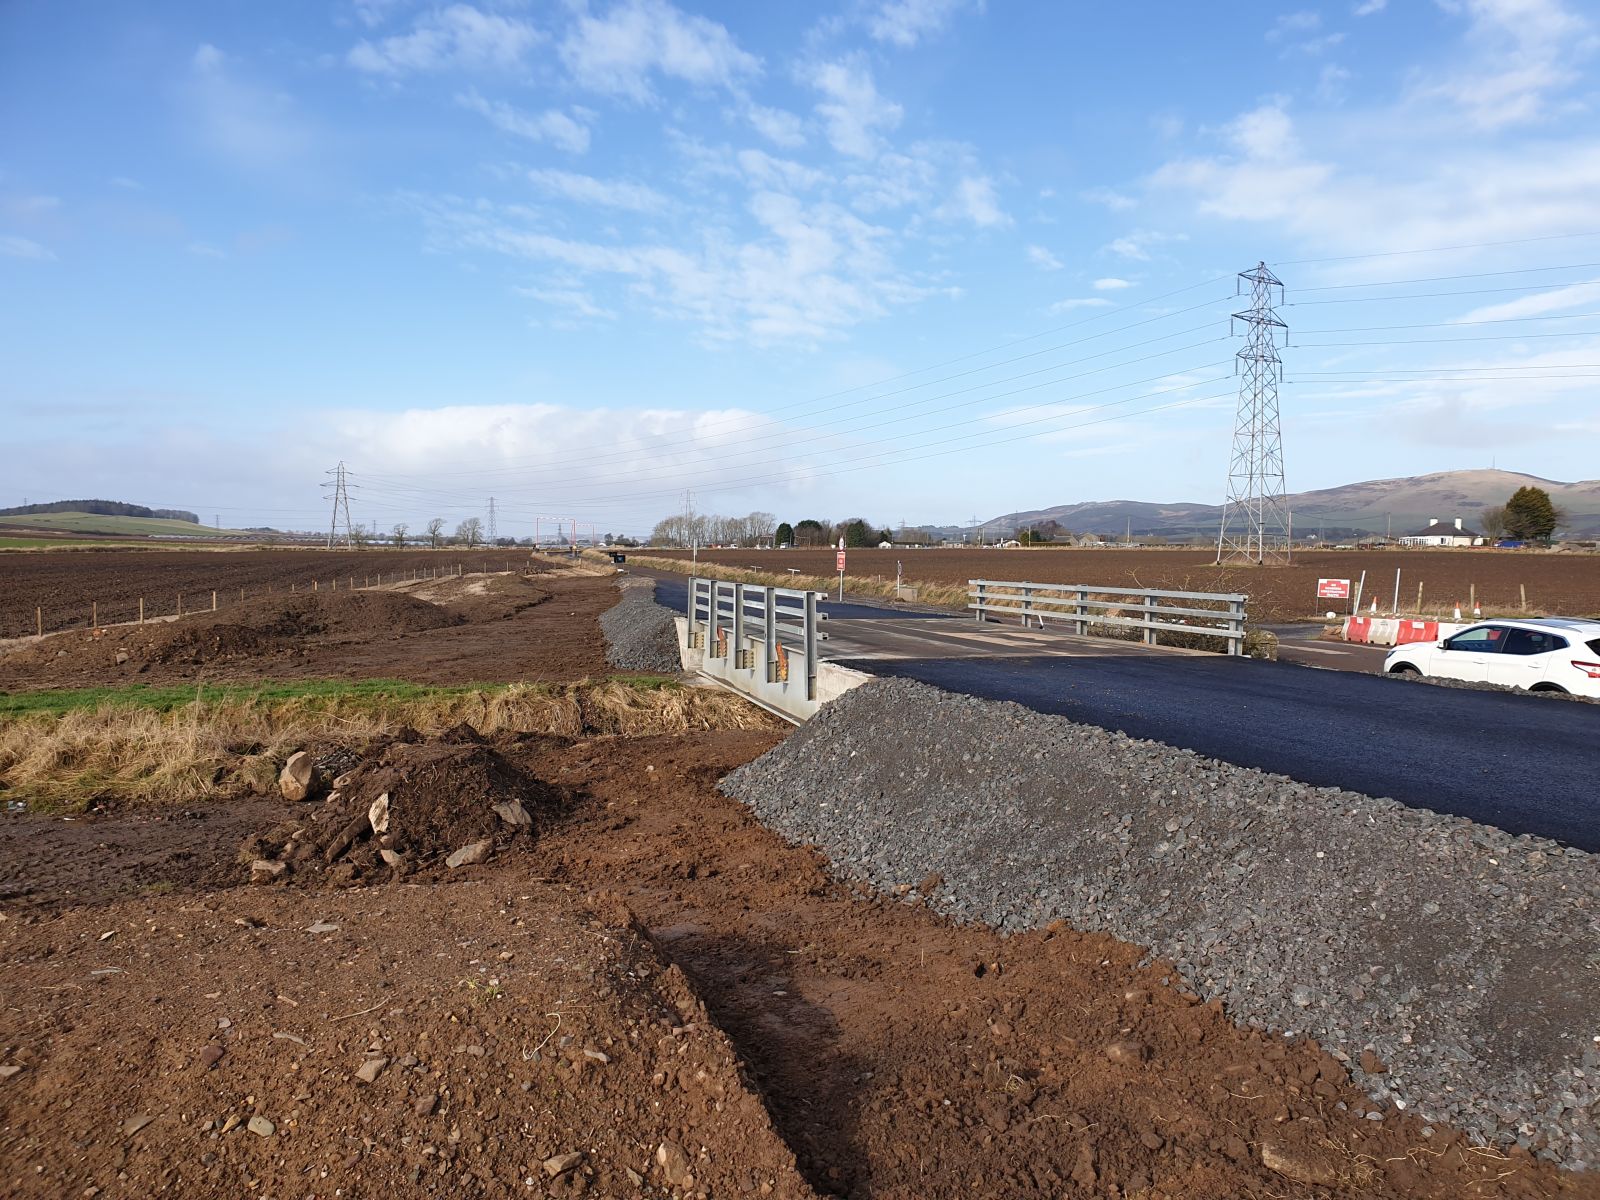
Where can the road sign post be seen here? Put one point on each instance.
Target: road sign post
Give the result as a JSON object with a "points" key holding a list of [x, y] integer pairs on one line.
{"points": [[840, 563]]}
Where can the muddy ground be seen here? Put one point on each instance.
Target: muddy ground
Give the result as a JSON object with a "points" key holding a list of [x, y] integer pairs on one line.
{"points": [[1563, 584], [469, 629], [67, 585], [546, 1004]]}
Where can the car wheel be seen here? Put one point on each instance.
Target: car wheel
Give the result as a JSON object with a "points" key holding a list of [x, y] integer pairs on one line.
{"points": [[1549, 687], [1403, 669]]}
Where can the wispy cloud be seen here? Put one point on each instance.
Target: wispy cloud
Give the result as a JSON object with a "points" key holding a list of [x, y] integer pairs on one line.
{"points": [[620, 52], [1043, 259], [14, 246], [1555, 300], [459, 37], [552, 126], [1140, 244], [779, 126], [1080, 302], [255, 128], [585, 189], [906, 22], [975, 200], [1111, 284], [852, 109]]}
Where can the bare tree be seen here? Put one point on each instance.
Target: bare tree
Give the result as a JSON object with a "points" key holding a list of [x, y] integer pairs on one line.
{"points": [[470, 532], [399, 533], [1493, 521], [359, 536], [759, 527], [436, 532]]}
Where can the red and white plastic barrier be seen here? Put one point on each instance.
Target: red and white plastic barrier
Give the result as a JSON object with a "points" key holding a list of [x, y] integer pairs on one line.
{"points": [[1393, 631]]}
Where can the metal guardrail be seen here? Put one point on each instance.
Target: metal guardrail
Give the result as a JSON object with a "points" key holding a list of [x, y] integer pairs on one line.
{"points": [[757, 626], [1083, 606]]}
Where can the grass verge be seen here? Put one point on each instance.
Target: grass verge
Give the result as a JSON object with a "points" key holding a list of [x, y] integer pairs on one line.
{"points": [[939, 595], [146, 746]]}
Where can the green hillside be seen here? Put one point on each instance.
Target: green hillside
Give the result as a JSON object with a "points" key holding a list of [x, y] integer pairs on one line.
{"points": [[77, 522]]}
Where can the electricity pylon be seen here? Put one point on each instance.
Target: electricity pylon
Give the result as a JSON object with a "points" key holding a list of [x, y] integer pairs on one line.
{"points": [[1255, 526]]}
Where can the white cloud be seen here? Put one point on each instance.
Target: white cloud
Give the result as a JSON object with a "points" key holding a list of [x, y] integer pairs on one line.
{"points": [[1526, 51], [205, 250], [126, 184], [570, 301], [1367, 7], [1330, 83], [814, 270], [1139, 244], [1043, 259], [459, 37], [552, 126], [1543, 302], [852, 109], [906, 22], [13, 246], [254, 128], [1082, 302], [1114, 200], [618, 53], [1111, 285], [585, 189], [974, 200], [778, 126], [765, 171]]}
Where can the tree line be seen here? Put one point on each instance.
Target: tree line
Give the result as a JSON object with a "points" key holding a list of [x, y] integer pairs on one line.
{"points": [[761, 529], [1529, 515]]}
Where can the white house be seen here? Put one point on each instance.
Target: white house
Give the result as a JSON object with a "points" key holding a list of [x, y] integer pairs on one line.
{"points": [[1443, 535]]}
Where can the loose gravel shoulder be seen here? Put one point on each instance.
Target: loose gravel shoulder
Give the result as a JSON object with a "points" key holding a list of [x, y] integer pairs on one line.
{"points": [[1452, 966], [1473, 686], [640, 634]]}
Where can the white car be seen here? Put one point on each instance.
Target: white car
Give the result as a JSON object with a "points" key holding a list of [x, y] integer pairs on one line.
{"points": [[1552, 654]]}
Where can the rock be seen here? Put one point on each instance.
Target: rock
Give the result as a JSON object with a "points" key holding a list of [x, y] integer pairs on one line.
{"points": [[133, 1124], [371, 1069], [426, 1104], [321, 927], [513, 814], [298, 779], [341, 782], [261, 1127], [633, 1176], [265, 870], [560, 1164], [211, 1055], [10, 1069], [1299, 1163], [122, 657], [1371, 1063], [1125, 1053], [597, 1056], [393, 857], [472, 852], [378, 814], [674, 1164]]}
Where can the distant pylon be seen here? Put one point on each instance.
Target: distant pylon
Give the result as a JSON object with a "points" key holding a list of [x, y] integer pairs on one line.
{"points": [[341, 507], [1255, 525], [493, 532]]}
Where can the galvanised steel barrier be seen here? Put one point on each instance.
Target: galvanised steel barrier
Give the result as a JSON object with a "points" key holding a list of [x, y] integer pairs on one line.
{"points": [[757, 628], [1083, 606]]}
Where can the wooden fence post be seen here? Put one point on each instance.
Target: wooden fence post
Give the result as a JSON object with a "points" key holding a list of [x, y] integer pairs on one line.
{"points": [[38, 616], [94, 614], [1522, 588], [141, 610], [213, 599]]}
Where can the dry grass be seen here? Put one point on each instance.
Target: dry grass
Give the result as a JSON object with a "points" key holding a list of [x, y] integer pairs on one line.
{"points": [[215, 749], [938, 595]]}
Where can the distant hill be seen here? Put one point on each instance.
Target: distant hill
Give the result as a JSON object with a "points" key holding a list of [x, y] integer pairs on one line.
{"points": [[1373, 507], [113, 526], [100, 508]]}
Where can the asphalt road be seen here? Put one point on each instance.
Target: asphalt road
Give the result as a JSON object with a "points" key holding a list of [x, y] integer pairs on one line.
{"points": [[1525, 764], [672, 590]]}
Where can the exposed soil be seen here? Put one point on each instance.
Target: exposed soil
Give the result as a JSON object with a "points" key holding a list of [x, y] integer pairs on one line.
{"points": [[66, 585], [472, 629], [1561, 584], [898, 1055]]}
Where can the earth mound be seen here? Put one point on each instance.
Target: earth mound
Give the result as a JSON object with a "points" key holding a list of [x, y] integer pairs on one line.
{"points": [[411, 804]]}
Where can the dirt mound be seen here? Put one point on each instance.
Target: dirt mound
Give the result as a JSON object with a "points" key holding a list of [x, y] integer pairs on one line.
{"points": [[410, 805], [268, 626]]}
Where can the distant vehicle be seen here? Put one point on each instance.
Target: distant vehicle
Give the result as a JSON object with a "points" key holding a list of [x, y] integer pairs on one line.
{"points": [[1553, 654]]}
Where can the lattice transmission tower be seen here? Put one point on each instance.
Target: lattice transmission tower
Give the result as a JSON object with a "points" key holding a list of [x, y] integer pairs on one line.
{"points": [[493, 531], [341, 506], [1255, 518]]}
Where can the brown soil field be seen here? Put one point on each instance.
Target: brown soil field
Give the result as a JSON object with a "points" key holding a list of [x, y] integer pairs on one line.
{"points": [[1556, 584], [467, 629], [653, 996], [67, 584]]}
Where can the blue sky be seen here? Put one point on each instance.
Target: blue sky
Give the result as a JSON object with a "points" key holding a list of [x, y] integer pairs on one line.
{"points": [[916, 259]]}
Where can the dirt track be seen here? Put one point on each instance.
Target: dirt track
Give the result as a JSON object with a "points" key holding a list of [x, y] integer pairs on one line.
{"points": [[1560, 584], [897, 1055]]}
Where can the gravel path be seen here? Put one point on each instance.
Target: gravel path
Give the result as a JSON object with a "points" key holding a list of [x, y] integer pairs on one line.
{"points": [[640, 635], [1463, 960]]}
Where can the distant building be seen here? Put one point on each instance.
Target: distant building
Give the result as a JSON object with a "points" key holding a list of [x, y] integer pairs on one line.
{"points": [[1437, 534]]}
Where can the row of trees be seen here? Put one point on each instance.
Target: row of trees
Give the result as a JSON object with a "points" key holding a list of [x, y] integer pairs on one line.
{"points": [[711, 529]]}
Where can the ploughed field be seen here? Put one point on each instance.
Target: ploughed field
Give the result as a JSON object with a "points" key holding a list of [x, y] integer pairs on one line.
{"points": [[67, 584], [1556, 584]]}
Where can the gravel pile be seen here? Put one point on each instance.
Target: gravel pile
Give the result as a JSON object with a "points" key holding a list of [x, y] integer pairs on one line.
{"points": [[1464, 961], [640, 635]]}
